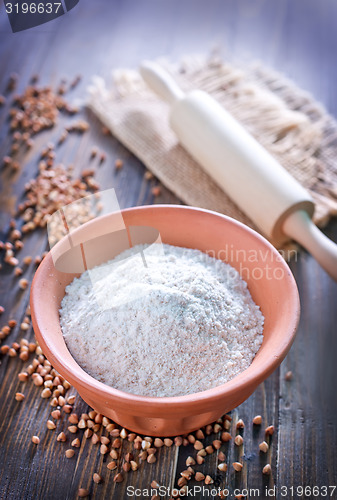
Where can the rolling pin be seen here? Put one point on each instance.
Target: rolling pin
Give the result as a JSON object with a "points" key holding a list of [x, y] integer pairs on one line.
{"points": [[279, 206]]}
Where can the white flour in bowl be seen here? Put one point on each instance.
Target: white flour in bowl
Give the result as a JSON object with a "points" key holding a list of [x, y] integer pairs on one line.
{"points": [[194, 327]]}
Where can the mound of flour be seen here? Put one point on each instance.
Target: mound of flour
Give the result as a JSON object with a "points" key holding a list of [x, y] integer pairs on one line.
{"points": [[183, 323]]}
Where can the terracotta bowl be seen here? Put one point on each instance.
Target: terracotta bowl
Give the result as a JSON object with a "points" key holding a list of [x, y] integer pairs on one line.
{"points": [[269, 279]]}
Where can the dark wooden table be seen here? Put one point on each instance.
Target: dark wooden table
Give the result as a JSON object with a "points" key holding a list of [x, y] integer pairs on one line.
{"points": [[295, 36]]}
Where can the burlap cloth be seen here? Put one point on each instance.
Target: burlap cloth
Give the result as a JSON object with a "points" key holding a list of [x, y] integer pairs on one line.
{"points": [[286, 120]]}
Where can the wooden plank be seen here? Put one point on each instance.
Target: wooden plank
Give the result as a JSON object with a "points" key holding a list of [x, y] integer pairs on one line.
{"points": [[307, 434]]}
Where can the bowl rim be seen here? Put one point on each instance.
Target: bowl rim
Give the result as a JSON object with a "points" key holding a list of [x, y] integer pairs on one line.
{"points": [[248, 378]]}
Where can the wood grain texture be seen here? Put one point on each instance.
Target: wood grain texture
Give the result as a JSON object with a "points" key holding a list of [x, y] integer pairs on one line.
{"points": [[295, 36]]}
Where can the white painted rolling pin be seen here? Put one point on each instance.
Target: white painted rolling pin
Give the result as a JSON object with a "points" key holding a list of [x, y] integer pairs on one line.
{"points": [[279, 206]]}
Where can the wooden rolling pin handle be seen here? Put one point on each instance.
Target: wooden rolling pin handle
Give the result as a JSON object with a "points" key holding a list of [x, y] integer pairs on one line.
{"points": [[161, 82], [300, 227]]}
